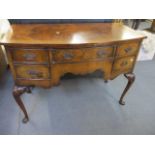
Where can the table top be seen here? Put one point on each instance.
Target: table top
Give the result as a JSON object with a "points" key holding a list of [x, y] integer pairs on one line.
{"points": [[69, 34]]}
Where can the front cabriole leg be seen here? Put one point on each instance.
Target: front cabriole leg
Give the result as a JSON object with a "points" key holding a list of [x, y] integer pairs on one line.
{"points": [[131, 79], [17, 92]]}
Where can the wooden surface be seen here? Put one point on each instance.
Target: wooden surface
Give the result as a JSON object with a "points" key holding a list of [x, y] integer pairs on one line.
{"points": [[39, 55], [69, 34], [3, 64]]}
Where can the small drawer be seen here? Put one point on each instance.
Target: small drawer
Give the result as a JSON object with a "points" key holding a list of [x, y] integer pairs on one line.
{"points": [[75, 55], [99, 52], [67, 55], [32, 71], [127, 49], [124, 63], [30, 55]]}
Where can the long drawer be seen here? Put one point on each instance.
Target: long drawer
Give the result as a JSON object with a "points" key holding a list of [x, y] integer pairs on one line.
{"points": [[83, 54]]}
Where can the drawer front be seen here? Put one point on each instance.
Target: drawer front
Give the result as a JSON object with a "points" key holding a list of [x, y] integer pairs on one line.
{"points": [[32, 71], [127, 49], [30, 55], [124, 63], [75, 55]]}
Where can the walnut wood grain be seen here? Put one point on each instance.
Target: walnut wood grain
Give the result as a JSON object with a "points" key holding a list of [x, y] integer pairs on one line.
{"points": [[69, 35], [32, 71], [80, 69], [123, 63], [40, 54], [82, 54], [36, 56], [127, 49]]}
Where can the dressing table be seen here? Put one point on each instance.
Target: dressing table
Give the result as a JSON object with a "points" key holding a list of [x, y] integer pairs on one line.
{"points": [[40, 54]]}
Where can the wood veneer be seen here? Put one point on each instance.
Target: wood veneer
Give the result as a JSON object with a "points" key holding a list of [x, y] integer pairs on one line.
{"points": [[40, 54]]}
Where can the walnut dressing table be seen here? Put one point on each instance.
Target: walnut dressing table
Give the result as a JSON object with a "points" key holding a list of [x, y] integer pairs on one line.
{"points": [[40, 54]]}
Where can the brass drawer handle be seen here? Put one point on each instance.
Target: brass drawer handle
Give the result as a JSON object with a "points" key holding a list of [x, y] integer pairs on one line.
{"points": [[101, 53], [35, 74], [129, 49], [124, 63], [29, 56], [68, 56]]}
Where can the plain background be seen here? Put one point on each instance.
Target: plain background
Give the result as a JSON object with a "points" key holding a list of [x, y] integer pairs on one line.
{"points": [[71, 9]]}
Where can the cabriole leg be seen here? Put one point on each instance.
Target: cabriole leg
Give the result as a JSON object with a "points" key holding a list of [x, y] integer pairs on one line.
{"points": [[131, 79], [17, 92]]}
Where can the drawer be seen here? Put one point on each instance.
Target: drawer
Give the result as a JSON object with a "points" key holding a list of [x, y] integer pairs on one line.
{"points": [[75, 55], [32, 71], [127, 49], [124, 63], [30, 55]]}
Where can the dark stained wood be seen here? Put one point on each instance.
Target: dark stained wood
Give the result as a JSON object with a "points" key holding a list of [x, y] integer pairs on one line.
{"points": [[17, 92], [40, 54], [131, 79]]}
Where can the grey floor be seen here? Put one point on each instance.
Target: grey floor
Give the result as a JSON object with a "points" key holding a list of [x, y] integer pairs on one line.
{"points": [[83, 106]]}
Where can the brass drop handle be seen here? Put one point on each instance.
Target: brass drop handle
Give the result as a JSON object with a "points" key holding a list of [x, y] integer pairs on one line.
{"points": [[127, 50], [101, 53], [68, 56], [34, 73], [29, 56], [124, 63]]}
